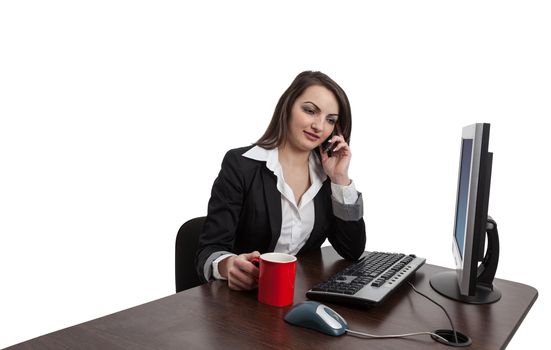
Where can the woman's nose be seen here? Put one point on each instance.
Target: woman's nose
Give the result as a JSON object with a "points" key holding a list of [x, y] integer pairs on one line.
{"points": [[318, 126]]}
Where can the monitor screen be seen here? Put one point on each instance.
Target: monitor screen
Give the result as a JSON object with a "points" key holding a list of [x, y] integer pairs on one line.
{"points": [[463, 195]]}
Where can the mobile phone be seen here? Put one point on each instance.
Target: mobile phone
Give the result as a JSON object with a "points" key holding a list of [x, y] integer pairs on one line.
{"points": [[327, 146]]}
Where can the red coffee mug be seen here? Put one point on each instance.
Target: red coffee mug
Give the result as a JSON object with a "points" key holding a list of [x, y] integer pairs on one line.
{"points": [[276, 281]]}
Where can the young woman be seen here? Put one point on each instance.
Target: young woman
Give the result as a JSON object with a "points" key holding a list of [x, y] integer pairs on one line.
{"points": [[286, 193]]}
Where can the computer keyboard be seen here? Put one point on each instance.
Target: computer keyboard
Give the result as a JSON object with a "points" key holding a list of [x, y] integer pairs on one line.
{"points": [[369, 280]]}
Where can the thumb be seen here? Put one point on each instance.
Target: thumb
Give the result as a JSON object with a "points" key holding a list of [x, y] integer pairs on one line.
{"points": [[250, 256]]}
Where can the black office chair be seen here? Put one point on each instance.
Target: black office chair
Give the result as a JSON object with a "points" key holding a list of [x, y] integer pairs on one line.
{"points": [[187, 242]]}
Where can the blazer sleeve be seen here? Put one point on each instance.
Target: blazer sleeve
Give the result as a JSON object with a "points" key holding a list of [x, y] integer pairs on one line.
{"points": [[348, 234], [224, 208]]}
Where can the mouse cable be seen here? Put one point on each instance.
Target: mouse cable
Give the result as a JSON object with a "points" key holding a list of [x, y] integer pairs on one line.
{"points": [[447, 315], [373, 336]]}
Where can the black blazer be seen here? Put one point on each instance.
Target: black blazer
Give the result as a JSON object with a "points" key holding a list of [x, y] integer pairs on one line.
{"points": [[244, 214]]}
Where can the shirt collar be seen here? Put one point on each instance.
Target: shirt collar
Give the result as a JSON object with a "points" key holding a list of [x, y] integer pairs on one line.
{"points": [[270, 156]]}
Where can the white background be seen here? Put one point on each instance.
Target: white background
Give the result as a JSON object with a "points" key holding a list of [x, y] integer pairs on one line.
{"points": [[115, 116]]}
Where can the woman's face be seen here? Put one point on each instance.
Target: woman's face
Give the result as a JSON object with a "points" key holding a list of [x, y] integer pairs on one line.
{"points": [[313, 118]]}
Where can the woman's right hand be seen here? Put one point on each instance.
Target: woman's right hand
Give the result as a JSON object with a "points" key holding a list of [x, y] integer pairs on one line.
{"points": [[241, 273]]}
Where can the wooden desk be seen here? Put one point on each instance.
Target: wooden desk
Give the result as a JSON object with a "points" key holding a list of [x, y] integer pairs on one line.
{"points": [[213, 317]]}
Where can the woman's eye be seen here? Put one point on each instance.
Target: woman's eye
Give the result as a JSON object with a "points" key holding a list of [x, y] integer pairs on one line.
{"points": [[332, 121], [308, 110]]}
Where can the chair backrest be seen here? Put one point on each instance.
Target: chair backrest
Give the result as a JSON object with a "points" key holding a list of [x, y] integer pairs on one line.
{"points": [[187, 242]]}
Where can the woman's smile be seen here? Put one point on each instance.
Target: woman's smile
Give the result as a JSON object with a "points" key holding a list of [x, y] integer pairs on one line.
{"points": [[311, 136]]}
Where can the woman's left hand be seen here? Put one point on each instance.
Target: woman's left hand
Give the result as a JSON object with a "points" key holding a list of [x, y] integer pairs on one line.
{"points": [[336, 166]]}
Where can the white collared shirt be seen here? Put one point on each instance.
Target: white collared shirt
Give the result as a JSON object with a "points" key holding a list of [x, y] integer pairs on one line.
{"points": [[297, 219]]}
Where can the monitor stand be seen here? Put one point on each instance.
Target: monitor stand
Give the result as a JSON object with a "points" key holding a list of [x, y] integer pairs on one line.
{"points": [[446, 284]]}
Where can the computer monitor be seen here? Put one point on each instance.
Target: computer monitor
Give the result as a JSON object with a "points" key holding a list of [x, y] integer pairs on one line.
{"points": [[471, 282]]}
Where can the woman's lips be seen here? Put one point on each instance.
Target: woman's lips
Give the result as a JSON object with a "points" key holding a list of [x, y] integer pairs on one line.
{"points": [[311, 137]]}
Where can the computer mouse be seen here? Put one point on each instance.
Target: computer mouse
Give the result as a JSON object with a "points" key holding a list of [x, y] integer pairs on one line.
{"points": [[314, 315]]}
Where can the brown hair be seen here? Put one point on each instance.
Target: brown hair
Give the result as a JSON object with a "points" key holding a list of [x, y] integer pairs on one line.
{"points": [[276, 132]]}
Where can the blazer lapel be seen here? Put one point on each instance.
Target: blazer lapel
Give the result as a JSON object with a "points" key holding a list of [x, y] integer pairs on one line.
{"points": [[273, 203]]}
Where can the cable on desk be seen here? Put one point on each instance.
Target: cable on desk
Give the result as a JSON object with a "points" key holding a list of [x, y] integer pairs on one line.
{"points": [[447, 315], [434, 335], [374, 336]]}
